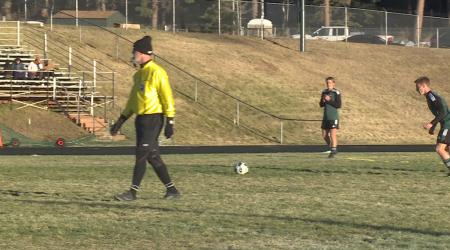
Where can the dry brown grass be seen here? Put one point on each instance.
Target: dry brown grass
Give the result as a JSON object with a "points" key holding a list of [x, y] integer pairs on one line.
{"points": [[45, 125], [380, 105]]}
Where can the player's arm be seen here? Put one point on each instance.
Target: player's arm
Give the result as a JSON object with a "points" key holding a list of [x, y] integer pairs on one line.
{"points": [[322, 101], [166, 98], [440, 107], [127, 113], [337, 102], [165, 94]]}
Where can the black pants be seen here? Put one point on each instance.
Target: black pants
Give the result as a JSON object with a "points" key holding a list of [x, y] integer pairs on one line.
{"points": [[148, 128]]}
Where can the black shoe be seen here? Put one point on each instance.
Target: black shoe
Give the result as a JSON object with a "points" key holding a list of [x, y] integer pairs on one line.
{"points": [[127, 196], [170, 196], [332, 155]]}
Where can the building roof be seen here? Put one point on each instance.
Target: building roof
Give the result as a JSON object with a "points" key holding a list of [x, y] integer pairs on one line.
{"points": [[84, 14]]}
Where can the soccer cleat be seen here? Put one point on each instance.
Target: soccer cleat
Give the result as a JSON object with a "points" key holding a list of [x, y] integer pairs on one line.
{"points": [[327, 152], [332, 155], [171, 196], [127, 196]]}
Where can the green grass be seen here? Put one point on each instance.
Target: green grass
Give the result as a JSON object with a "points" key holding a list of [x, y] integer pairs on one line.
{"points": [[286, 201]]}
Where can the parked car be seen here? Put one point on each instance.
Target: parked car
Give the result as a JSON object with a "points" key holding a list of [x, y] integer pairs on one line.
{"points": [[334, 33], [373, 39], [444, 40]]}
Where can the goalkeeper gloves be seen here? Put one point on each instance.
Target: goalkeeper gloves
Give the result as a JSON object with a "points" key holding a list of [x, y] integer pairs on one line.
{"points": [[115, 128], [168, 131]]}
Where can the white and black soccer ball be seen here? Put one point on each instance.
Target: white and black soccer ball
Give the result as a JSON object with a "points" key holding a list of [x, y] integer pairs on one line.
{"points": [[240, 168]]}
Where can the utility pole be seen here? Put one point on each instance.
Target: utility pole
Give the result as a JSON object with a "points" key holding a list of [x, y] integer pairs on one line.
{"points": [[25, 10], [302, 25], [219, 18], [126, 14], [173, 17], [262, 19], [76, 13]]}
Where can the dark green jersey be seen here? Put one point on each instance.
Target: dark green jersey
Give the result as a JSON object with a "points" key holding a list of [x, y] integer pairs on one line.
{"points": [[330, 111], [438, 106]]}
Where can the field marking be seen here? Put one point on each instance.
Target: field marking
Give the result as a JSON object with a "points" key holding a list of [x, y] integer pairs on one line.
{"points": [[363, 159]]}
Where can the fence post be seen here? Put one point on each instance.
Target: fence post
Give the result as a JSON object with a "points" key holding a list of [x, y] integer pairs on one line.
{"points": [[281, 132], [104, 105], [418, 30], [79, 87], [237, 113], [78, 109], [113, 83], [437, 38], [346, 24], [95, 74], [117, 47], [18, 33], [45, 45], [219, 17], [195, 94], [93, 117], [54, 88], [80, 30], [70, 58], [92, 104], [386, 27]]}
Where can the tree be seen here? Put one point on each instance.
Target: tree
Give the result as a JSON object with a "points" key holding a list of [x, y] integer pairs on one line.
{"points": [[326, 13], [254, 9], [7, 9], [155, 14], [144, 10], [448, 10], [44, 11], [420, 8]]}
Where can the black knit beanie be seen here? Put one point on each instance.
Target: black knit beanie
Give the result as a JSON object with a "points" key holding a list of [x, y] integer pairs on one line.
{"points": [[143, 45]]}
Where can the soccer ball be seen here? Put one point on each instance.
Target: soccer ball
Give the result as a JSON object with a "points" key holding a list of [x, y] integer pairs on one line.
{"points": [[240, 168]]}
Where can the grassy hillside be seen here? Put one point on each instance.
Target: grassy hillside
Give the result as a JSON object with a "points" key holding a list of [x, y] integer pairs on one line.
{"points": [[380, 105], [38, 124]]}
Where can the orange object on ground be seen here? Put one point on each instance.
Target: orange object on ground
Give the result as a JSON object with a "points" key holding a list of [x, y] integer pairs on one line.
{"points": [[1, 144]]}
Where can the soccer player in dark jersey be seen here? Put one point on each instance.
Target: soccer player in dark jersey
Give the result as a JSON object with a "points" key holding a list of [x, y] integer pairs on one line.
{"points": [[438, 106], [330, 101]]}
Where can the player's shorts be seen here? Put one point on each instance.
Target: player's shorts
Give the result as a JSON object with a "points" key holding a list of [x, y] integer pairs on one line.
{"points": [[444, 136], [330, 124]]}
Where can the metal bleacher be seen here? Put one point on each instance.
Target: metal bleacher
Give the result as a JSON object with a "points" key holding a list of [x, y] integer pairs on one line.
{"points": [[43, 94], [73, 91]]}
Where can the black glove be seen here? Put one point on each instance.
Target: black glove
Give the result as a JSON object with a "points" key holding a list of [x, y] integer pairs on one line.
{"points": [[115, 128], [168, 131]]}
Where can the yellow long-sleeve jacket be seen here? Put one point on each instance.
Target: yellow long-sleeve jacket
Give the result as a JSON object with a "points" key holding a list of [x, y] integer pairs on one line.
{"points": [[151, 93]]}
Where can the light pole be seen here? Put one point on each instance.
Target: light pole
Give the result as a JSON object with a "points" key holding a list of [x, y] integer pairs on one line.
{"points": [[76, 13], [126, 14], [173, 17], [262, 19], [219, 17]]}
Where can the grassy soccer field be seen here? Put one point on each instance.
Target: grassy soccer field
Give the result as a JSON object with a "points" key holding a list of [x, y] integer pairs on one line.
{"points": [[286, 201]]}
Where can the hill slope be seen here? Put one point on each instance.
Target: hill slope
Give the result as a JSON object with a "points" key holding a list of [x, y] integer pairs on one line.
{"points": [[380, 105]]}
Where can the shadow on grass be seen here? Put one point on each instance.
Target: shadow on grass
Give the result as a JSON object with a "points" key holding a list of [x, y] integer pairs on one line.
{"points": [[119, 205], [372, 170]]}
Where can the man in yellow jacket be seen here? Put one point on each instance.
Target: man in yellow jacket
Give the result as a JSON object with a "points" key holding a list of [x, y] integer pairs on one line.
{"points": [[150, 99]]}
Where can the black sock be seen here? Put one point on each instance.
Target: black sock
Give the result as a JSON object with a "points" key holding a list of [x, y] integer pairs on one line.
{"points": [[171, 188], [163, 175], [334, 150], [134, 190], [161, 171]]}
